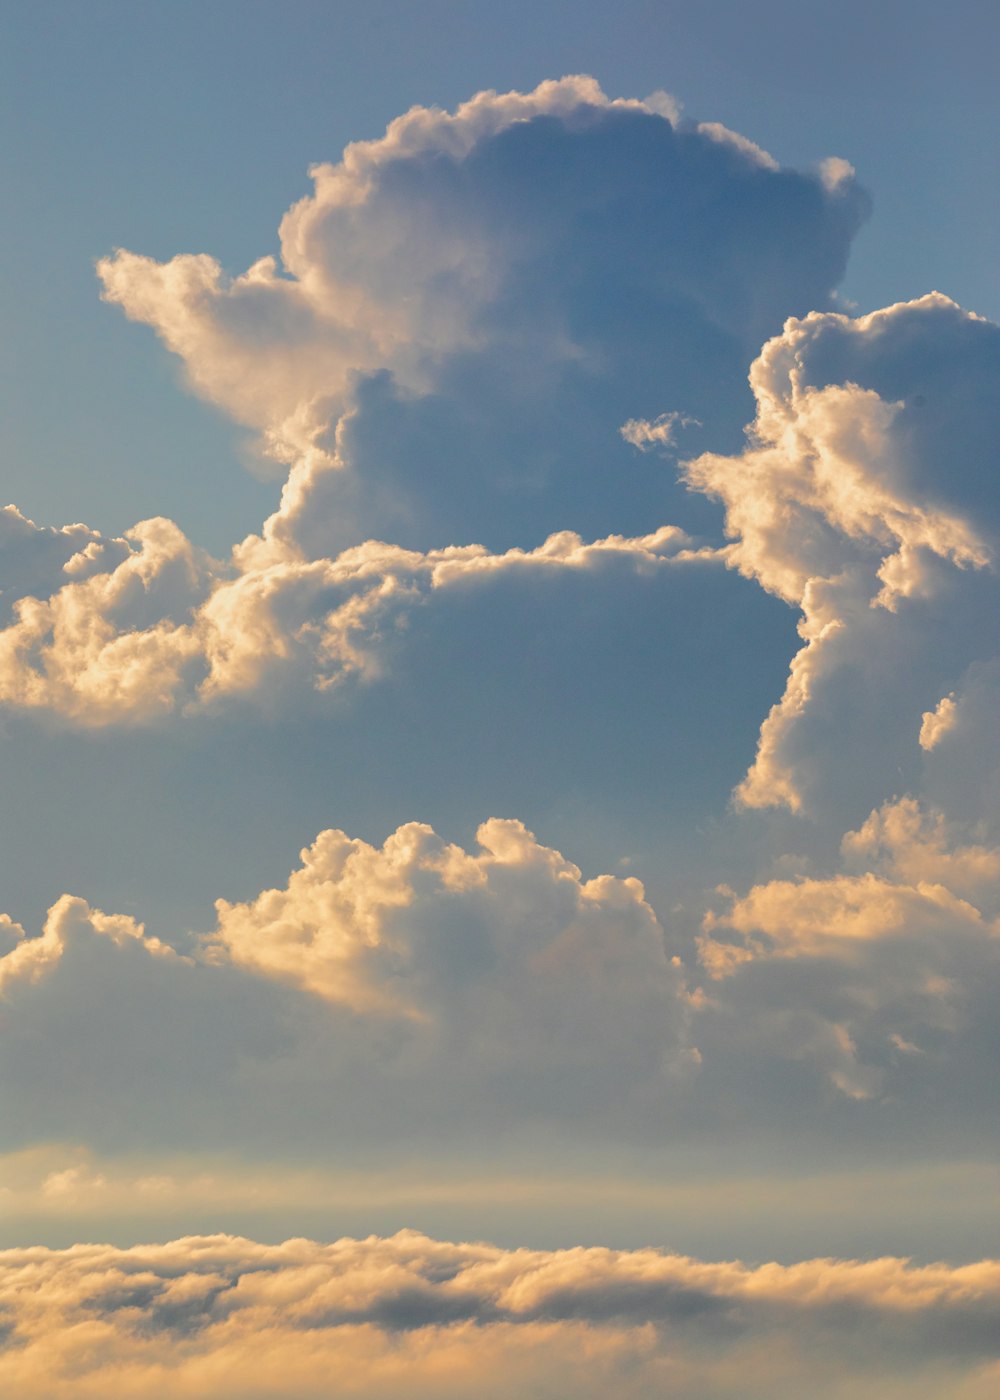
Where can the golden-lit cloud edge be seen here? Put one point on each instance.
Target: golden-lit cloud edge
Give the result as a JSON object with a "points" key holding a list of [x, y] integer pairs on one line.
{"points": [[221, 1316]]}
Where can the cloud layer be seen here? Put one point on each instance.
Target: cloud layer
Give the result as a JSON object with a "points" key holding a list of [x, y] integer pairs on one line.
{"points": [[223, 1317], [138, 628], [444, 993]]}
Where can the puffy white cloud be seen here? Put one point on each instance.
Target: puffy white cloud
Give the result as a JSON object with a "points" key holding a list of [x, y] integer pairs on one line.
{"points": [[448, 233], [461, 310], [156, 626], [505, 958], [69, 921], [374, 272], [935, 724], [862, 499], [416, 981], [913, 843], [115, 642], [464, 310], [423, 987], [221, 1316]]}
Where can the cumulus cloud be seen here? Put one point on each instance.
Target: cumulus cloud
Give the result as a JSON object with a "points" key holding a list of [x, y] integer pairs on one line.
{"points": [[492, 291], [863, 500], [506, 956], [69, 921], [388, 262], [155, 625], [464, 310], [220, 1316], [914, 843], [495, 984], [463, 313], [421, 987], [936, 723], [861, 972], [115, 641]]}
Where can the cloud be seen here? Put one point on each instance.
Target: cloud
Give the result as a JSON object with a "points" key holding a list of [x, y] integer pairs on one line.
{"points": [[507, 959], [415, 981], [935, 724], [841, 506], [221, 1316], [491, 292], [421, 988], [862, 972], [155, 625], [114, 642], [661, 432], [465, 310], [914, 844], [390, 261], [463, 314], [69, 922], [36, 561]]}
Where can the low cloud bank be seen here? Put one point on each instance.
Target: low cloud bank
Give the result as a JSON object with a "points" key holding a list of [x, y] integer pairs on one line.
{"points": [[223, 1317]]}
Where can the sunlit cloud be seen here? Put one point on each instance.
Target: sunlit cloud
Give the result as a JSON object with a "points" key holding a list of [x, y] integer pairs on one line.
{"points": [[222, 1316]]}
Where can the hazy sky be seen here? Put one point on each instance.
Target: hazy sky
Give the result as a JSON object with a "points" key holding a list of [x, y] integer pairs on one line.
{"points": [[498, 673]]}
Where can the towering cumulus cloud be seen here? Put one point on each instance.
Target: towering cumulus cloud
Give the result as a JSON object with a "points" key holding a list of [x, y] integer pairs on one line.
{"points": [[867, 499], [491, 293], [465, 312]]}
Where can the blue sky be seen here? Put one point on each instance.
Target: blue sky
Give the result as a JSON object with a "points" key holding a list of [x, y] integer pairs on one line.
{"points": [[498, 667]]}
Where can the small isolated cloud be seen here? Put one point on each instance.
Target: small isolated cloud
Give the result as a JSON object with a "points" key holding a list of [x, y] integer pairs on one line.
{"points": [[661, 432], [936, 723], [218, 1317], [835, 171]]}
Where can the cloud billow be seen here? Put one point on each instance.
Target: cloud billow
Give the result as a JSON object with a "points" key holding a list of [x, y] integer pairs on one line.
{"points": [[219, 1317], [493, 292], [866, 499], [466, 311]]}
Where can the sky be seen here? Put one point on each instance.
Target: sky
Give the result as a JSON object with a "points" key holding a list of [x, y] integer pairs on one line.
{"points": [[498, 667]]}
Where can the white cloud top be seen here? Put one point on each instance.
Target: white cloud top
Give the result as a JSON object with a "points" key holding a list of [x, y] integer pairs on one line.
{"points": [[69, 920], [506, 956], [413, 246]]}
